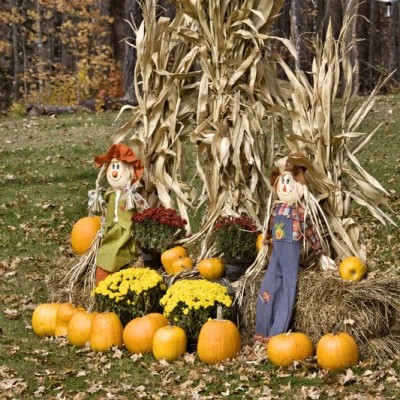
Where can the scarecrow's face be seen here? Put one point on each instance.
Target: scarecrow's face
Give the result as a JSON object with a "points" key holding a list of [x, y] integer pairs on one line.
{"points": [[288, 189], [118, 174]]}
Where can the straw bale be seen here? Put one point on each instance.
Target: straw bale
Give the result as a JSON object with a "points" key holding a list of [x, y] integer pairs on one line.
{"points": [[79, 293], [367, 309]]}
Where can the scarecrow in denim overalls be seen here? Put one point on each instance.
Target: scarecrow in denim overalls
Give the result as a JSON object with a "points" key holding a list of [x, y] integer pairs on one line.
{"points": [[287, 226]]}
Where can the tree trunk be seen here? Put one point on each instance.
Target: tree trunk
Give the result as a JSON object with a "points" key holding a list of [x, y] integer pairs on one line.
{"points": [[39, 47], [16, 68]]}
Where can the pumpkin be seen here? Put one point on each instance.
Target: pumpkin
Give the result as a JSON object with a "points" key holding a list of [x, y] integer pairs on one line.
{"points": [[169, 343], [64, 314], [259, 242], [84, 232], [138, 334], [219, 339], [181, 264], [106, 331], [44, 319], [336, 351], [285, 348], [170, 255], [211, 268], [352, 269], [161, 318], [80, 328]]}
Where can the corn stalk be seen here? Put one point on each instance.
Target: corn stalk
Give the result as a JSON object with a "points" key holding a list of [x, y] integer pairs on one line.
{"points": [[325, 127], [239, 100], [159, 123]]}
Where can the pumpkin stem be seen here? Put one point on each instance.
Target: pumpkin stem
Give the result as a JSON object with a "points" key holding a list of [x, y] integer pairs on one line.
{"points": [[336, 328], [219, 313]]}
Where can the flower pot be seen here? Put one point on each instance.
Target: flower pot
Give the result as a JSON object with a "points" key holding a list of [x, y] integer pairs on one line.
{"points": [[151, 258], [235, 268], [191, 346]]}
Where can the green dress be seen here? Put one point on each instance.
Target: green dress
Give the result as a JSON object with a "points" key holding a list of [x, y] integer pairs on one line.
{"points": [[117, 247]]}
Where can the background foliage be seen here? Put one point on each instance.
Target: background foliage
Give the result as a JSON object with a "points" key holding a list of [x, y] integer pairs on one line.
{"points": [[62, 52]]}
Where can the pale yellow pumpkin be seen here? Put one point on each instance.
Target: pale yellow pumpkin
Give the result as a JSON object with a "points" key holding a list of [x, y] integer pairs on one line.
{"points": [[170, 255], [106, 331], [80, 328], [138, 334], [285, 348], [64, 314], [169, 343], [44, 319], [181, 264]]}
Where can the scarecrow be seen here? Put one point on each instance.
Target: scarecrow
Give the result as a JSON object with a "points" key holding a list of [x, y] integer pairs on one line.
{"points": [[289, 226], [123, 170]]}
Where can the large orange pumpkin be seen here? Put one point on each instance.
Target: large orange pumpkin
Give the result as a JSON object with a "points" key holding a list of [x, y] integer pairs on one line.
{"points": [[80, 328], [170, 255], [44, 319], [138, 334], [285, 348], [219, 339], [169, 342], [336, 351], [106, 331], [84, 232], [211, 268]]}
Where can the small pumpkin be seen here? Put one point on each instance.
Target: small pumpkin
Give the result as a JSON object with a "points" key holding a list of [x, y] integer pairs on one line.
{"points": [[219, 339], [64, 314], [211, 268], [285, 348], [352, 269], [169, 343], [170, 255], [44, 319], [259, 242], [336, 351], [181, 264], [84, 232], [138, 334], [80, 328], [106, 331]]}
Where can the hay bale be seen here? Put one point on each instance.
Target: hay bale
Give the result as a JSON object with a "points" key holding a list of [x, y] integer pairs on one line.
{"points": [[368, 309], [80, 292]]}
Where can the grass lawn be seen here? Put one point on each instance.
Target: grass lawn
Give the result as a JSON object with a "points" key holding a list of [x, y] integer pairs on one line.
{"points": [[46, 171]]}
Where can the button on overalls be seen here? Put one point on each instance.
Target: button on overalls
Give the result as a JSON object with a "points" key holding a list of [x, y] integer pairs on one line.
{"points": [[277, 295]]}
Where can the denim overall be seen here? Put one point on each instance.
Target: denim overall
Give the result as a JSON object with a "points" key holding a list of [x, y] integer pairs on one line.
{"points": [[277, 295]]}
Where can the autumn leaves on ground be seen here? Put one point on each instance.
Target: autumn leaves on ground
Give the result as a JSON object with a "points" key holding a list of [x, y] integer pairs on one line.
{"points": [[46, 172]]}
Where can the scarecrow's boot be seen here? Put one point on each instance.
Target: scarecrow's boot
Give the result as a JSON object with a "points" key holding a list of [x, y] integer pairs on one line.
{"points": [[101, 274]]}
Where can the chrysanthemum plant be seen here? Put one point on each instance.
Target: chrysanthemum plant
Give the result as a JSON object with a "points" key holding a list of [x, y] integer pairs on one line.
{"points": [[130, 293], [235, 238], [191, 303], [158, 228]]}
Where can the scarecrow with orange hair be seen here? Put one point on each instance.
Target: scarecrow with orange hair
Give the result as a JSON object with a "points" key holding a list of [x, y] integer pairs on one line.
{"points": [[123, 170]]}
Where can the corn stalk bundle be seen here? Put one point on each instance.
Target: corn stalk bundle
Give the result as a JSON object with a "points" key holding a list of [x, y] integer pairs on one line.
{"points": [[325, 128], [239, 99], [159, 123], [331, 139]]}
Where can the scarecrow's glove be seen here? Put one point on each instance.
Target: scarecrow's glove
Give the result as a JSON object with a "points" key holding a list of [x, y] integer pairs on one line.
{"points": [[96, 202], [327, 263]]}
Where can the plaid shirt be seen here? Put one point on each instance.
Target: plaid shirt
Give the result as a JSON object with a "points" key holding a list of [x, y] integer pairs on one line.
{"points": [[300, 227]]}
